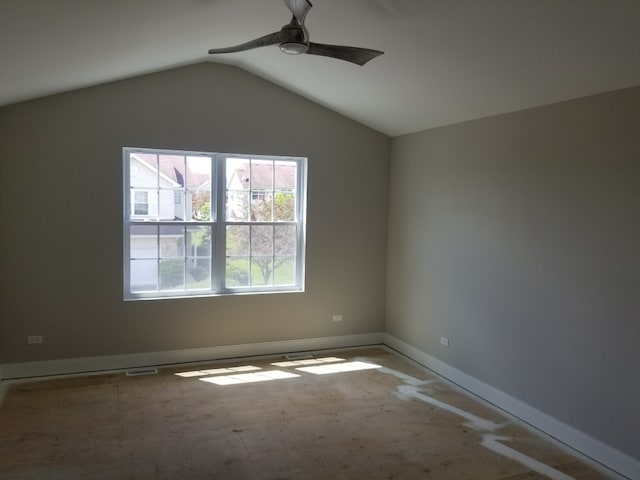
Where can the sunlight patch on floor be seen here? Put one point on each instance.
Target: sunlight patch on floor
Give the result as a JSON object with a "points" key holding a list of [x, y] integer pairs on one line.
{"points": [[338, 368]]}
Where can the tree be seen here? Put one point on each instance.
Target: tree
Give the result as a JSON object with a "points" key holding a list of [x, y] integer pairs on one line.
{"points": [[201, 205], [268, 246]]}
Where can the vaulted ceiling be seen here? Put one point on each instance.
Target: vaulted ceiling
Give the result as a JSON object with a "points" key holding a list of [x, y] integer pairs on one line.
{"points": [[445, 61]]}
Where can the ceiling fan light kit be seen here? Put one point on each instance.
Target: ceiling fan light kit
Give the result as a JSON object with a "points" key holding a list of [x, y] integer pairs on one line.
{"points": [[293, 39], [294, 48]]}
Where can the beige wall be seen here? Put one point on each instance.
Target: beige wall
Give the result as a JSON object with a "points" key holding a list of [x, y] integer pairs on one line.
{"points": [[515, 236], [518, 238], [61, 210]]}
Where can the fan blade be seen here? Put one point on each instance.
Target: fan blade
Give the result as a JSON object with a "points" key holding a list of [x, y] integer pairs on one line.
{"points": [[299, 8], [271, 39], [356, 55]]}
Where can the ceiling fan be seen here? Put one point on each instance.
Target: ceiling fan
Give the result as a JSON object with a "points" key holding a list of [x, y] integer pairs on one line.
{"points": [[293, 39]]}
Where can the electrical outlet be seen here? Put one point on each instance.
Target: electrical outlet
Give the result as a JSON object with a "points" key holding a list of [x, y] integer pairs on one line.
{"points": [[337, 318], [444, 341], [34, 339]]}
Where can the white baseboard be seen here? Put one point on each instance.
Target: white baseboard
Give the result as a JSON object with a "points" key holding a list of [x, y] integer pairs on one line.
{"points": [[577, 440], [13, 371]]}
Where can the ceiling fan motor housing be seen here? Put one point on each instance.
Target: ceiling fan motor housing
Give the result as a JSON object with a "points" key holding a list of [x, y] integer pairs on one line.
{"points": [[294, 39]]}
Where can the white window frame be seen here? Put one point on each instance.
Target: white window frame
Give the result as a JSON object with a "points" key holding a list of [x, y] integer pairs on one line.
{"points": [[218, 224]]}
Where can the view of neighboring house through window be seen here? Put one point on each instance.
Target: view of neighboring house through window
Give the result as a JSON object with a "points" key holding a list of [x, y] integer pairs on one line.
{"points": [[209, 223]]}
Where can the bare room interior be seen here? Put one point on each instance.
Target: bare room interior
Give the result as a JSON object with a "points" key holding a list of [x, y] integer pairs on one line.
{"points": [[461, 297]]}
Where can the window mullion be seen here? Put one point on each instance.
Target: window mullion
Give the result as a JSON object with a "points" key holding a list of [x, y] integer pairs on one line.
{"points": [[184, 254], [159, 256], [273, 252], [218, 215], [273, 191], [250, 272]]}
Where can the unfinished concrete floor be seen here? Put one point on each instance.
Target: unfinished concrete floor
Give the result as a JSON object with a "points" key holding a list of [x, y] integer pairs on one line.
{"points": [[362, 414]]}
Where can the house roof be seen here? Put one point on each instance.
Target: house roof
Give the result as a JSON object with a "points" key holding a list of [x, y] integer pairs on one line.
{"points": [[256, 174], [263, 176], [445, 61], [176, 170]]}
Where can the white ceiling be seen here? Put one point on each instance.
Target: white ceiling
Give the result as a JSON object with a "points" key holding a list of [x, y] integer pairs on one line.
{"points": [[446, 61]]}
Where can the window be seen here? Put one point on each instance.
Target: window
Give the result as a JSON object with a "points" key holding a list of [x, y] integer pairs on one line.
{"points": [[200, 224], [140, 202], [144, 203]]}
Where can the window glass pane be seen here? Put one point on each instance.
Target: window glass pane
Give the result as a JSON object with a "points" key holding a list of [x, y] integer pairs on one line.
{"points": [[285, 176], [143, 275], [284, 271], [199, 241], [261, 271], [238, 174], [198, 171], [199, 252], [237, 266], [261, 175], [237, 240], [143, 241], [237, 209], [238, 185], [285, 240], [170, 180], [178, 205], [199, 183], [166, 211], [172, 241], [143, 170], [172, 274], [172, 171], [200, 205], [237, 272], [261, 206], [284, 209], [198, 273], [261, 240]]}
